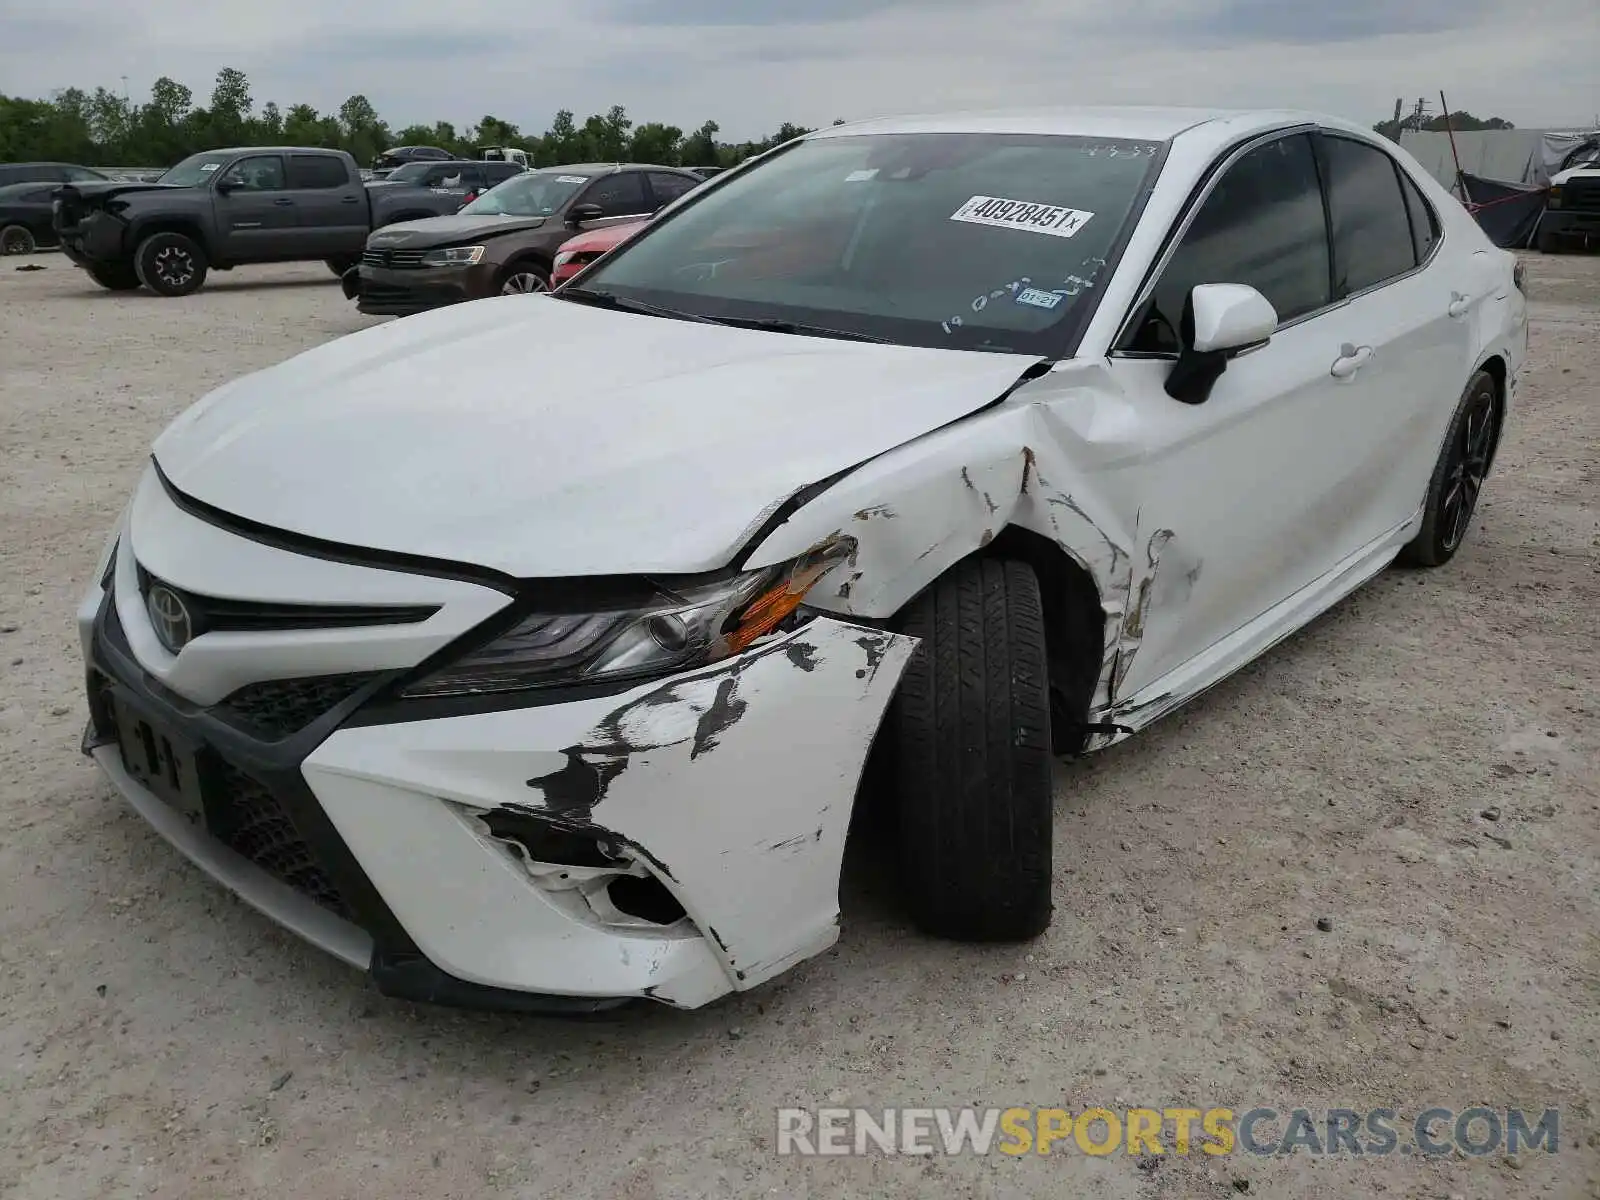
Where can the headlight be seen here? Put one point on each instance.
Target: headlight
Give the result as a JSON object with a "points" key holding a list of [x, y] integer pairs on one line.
{"points": [[1555, 196], [454, 256], [686, 626]]}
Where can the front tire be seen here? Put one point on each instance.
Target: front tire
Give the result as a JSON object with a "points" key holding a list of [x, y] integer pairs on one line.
{"points": [[115, 277], [971, 730], [524, 278], [1551, 242], [170, 264], [17, 239], [1463, 465]]}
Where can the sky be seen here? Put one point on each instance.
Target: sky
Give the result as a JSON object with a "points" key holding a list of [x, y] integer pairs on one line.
{"points": [[752, 64]]}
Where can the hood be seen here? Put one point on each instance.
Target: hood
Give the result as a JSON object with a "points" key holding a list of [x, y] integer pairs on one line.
{"points": [[602, 239], [544, 438], [1587, 171], [100, 190], [446, 231]]}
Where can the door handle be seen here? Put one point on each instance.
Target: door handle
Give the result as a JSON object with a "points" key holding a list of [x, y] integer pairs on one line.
{"points": [[350, 200], [283, 201], [1459, 303], [1351, 359]]}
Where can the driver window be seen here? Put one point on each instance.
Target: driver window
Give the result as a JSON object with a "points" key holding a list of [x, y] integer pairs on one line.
{"points": [[620, 195], [260, 173], [1262, 225]]}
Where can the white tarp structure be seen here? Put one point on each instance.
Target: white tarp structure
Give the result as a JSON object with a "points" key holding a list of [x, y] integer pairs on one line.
{"points": [[1528, 156]]}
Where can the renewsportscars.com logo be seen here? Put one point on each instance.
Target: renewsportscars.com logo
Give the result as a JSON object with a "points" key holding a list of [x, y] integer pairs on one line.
{"points": [[1098, 1132]]}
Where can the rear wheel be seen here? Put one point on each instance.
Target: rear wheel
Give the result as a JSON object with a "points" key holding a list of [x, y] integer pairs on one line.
{"points": [[971, 730], [17, 239], [522, 278], [170, 264], [1458, 476], [115, 277]]}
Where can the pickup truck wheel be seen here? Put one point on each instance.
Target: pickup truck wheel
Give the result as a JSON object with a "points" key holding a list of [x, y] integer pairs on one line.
{"points": [[170, 264], [521, 278], [16, 239], [115, 277], [1551, 242], [340, 265], [971, 756]]}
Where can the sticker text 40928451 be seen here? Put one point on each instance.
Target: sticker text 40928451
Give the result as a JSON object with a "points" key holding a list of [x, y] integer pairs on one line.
{"points": [[996, 211]]}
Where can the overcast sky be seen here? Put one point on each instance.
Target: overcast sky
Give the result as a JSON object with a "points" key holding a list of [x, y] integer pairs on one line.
{"points": [[751, 64]]}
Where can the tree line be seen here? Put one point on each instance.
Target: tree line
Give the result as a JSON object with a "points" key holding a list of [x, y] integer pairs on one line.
{"points": [[101, 128]]}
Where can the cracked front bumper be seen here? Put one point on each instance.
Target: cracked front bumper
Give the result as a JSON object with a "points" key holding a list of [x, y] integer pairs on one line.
{"points": [[477, 859]]}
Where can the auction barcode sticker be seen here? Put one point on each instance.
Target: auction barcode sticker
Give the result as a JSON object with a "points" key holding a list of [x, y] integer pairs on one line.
{"points": [[1051, 219]]}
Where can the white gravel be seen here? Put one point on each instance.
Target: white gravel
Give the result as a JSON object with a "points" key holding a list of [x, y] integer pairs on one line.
{"points": [[159, 1038]]}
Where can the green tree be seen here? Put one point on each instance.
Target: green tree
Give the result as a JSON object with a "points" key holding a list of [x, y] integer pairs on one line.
{"points": [[657, 143]]}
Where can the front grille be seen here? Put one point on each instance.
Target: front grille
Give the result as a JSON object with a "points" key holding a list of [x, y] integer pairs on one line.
{"points": [[399, 260], [250, 821], [215, 614], [1581, 196], [277, 708]]}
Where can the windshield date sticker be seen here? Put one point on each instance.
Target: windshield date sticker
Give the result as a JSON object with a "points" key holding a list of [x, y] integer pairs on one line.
{"points": [[862, 176], [209, 166], [1038, 298], [1001, 213], [571, 179]]}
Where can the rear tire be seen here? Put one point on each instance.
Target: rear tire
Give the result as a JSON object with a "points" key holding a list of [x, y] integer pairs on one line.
{"points": [[170, 264], [971, 751], [17, 239], [1458, 476], [115, 277]]}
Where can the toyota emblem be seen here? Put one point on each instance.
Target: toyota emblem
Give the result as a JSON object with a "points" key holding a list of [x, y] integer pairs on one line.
{"points": [[169, 617]]}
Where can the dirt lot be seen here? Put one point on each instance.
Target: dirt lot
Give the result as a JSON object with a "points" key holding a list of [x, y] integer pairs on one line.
{"points": [[160, 1038]]}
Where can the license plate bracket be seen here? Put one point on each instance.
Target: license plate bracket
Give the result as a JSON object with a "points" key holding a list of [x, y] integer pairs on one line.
{"points": [[160, 760]]}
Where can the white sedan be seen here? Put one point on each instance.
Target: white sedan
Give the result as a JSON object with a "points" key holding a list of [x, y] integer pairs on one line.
{"points": [[978, 438]]}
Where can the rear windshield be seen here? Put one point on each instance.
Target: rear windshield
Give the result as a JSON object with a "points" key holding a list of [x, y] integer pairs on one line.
{"points": [[967, 241], [528, 194], [195, 169]]}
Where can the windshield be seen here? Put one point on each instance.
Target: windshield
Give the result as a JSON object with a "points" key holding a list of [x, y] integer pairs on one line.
{"points": [[966, 241], [530, 194], [411, 172], [195, 169]]}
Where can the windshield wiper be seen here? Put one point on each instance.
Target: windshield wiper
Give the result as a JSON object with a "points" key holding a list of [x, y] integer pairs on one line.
{"points": [[777, 325], [623, 304]]}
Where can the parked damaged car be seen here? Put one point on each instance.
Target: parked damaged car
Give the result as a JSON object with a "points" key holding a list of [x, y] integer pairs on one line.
{"points": [[505, 241], [577, 253], [984, 439], [25, 217]]}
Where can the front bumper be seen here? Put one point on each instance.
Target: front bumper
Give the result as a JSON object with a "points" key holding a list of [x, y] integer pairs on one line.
{"points": [[392, 292], [97, 238], [678, 840], [1571, 222]]}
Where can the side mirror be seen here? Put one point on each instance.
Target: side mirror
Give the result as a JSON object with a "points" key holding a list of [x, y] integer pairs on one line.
{"points": [[224, 186], [579, 213], [1220, 322]]}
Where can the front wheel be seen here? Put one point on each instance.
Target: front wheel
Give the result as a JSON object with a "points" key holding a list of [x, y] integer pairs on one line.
{"points": [[115, 277], [971, 735], [522, 278], [1551, 242], [1463, 465], [17, 239], [170, 264]]}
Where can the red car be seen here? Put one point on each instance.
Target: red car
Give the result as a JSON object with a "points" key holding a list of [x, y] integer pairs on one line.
{"points": [[577, 253]]}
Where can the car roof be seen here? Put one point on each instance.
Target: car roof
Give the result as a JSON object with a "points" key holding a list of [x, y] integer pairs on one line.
{"points": [[1135, 122]]}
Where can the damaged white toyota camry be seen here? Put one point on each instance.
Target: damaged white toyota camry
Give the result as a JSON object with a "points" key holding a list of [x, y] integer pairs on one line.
{"points": [[981, 438]]}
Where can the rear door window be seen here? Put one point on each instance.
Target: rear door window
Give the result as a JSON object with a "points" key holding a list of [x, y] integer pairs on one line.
{"points": [[1372, 237], [668, 187], [316, 171]]}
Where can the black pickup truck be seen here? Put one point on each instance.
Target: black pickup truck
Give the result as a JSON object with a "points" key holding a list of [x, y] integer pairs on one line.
{"points": [[227, 208]]}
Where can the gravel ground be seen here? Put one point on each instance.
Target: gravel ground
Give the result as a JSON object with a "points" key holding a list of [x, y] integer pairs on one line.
{"points": [[1421, 768]]}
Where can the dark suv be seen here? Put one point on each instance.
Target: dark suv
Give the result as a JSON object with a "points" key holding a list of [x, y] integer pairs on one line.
{"points": [[47, 172], [422, 189], [505, 241]]}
